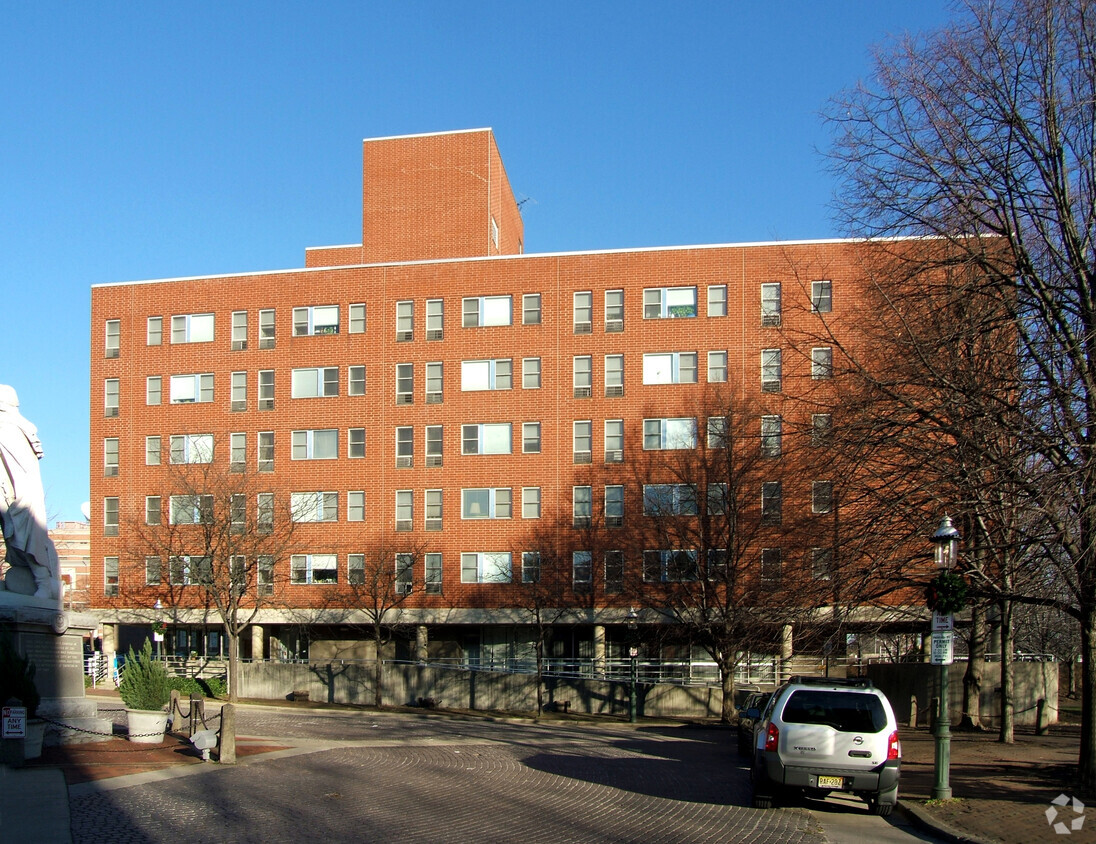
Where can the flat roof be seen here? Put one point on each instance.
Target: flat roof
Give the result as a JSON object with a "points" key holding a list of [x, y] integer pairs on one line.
{"points": [[426, 134]]}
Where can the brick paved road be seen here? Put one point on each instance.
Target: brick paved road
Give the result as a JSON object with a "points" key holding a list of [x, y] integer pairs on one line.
{"points": [[432, 779]]}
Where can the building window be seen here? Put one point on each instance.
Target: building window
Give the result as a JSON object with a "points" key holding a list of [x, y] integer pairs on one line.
{"points": [[582, 569], [434, 444], [187, 570], [530, 373], [110, 516], [111, 389], [192, 328], [153, 571], [718, 499], [191, 509], [239, 330], [669, 368], [357, 318], [717, 432], [486, 310], [265, 450], [717, 367], [264, 512], [772, 429], [405, 383], [266, 389], [771, 370], [435, 382], [583, 314], [490, 438], [669, 434], [433, 573], [771, 503], [237, 452], [486, 567], [614, 505], [355, 442], [435, 319], [486, 503], [614, 571], [821, 297], [152, 451], [614, 375], [821, 563], [355, 506], [404, 573], [110, 577], [191, 448], [669, 302], [113, 338], [582, 505], [238, 392], [405, 447], [355, 380], [770, 565], [264, 574], [314, 506], [717, 300], [614, 311], [110, 457], [313, 568], [316, 319], [405, 321], [669, 566], [237, 513], [154, 332], [530, 502], [821, 496], [315, 382], [154, 390], [186, 389], [582, 435], [583, 368], [530, 309], [530, 566], [405, 510], [266, 329], [530, 438], [669, 500], [321, 444], [433, 503], [152, 509], [821, 430], [822, 362], [770, 304], [486, 375], [614, 440]]}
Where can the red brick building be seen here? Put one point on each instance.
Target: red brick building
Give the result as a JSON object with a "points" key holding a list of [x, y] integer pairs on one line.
{"points": [[435, 388]]}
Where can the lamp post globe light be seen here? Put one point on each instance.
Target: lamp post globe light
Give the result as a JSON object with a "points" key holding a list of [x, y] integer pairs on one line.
{"points": [[946, 547], [632, 620]]}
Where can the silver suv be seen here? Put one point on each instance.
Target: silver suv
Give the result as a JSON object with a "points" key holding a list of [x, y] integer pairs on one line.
{"points": [[820, 734]]}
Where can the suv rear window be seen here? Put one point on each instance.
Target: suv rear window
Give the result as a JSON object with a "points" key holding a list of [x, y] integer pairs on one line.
{"points": [[848, 712]]}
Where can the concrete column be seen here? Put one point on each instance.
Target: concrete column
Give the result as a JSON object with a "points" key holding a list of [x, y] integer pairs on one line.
{"points": [[599, 649], [421, 642], [110, 638], [257, 650], [786, 649]]}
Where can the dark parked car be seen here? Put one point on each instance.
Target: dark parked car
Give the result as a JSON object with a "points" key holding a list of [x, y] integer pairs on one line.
{"points": [[749, 713]]}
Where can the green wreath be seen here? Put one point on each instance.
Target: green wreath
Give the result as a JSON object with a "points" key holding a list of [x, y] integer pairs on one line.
{"points": [[947, 592], [159, 627]]}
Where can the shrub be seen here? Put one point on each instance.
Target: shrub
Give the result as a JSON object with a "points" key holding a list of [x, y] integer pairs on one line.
{"points": [[145, 684], [210, 687], [17, 676]]}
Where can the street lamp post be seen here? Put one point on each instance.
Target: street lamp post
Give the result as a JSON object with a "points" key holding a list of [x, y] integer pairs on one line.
{"points": [[157, 631], [946, 543], [633, 653]]}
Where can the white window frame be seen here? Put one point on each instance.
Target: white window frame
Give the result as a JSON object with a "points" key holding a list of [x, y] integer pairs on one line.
{"points": [[772, 436], [194, 388], [530, 437], [669, 368], [489, 374], [154, 331], [772, 370], [356, 318], [822, 296], [153, 450], [310, 569], [614, 311], [717, 300], [530, 502], [486, 567], [671, 433], [315, 320], [315, 382], [435, 319], [530, 373], [355, 380], [582, 312], [497, 503], [669, 302], [190, 448], [530, 309], [239, 330], [310, 444], [355, 443], [192, 328], [405, 320], [190, 509], [717, 367], [822, 363], [486, 311], [670, 500], [614, 437], [488, 438], [310, 507], [614, 375], [355, 505], [771, 304]]}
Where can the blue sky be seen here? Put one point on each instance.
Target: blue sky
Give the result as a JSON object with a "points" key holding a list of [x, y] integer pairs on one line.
{"points": [[156, 140]]}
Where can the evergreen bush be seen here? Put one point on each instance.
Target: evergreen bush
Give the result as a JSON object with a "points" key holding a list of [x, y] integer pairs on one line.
{"points": [[145, 684]]}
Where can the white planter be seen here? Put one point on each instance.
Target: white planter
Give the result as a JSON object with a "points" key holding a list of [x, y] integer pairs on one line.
{"points": [[147, 726], [32, 743]]}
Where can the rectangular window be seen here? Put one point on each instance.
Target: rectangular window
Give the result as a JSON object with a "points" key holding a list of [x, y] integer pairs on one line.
{"points": [[237, 448], [154, 390], [669, 368], [582, 435], [530, 502], [435, 382], [433, 503], [772, 430], [153, 571], [152, 451], [669, 434], [486, 503], [614, 375], [821, 430], [582, 569], [192, 328], [154, 332], [186, 389], [264, 512], [191, 448], [582, 505], [237, 513], [772, 507], [110, 457], [238, 392], [583, 312], [264, 574], [717, 432], [434, 444], [614, 440], [718, 499], [113, 338], [530, 566], [435, 319], [405, 447], [313, 568], [314, 506], [405, 321], [717, 367], [191, 509], [530, 373], [771, 373], [821, 297], [239, 331], [583, 369], [669, 566], [614, 571], [486, 567], [669, 302], [822, 362], [614, 311], [355, 506], [355, 443], [717, 300], [405, 510], [266, 389], [187, 571], [111, 389], [316, 319], [110, 577], [152, 509], [405, 573], [315, 382], [614, 505], [821, 496], [266, 329], [669, 500], [491, 438], [264, 441], [355, 380], [530, 309], [530, 438], [320, 444], [770, 304], [770, 565], [405, 383], [433, 573], [486, 310], [357, 318], [486, 375], [821, 563]]}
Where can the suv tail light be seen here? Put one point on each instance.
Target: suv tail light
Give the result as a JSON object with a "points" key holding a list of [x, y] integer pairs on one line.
{"points": [[894, 747], [772, 737]]}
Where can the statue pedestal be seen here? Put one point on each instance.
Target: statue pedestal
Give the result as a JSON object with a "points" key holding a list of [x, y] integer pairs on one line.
{"points": [[54, 641]]}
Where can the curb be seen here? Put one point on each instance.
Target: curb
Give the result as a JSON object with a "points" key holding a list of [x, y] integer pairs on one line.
{"points": [[925, 821]]}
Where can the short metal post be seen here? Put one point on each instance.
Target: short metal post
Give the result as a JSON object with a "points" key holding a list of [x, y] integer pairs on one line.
{"points": [[941, 789]]}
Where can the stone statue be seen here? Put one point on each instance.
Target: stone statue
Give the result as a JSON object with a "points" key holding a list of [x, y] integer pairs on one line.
{"points": [[33, 569]]}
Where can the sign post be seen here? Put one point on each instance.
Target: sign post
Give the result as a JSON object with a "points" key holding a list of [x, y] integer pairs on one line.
{"points": [[13, 722]]}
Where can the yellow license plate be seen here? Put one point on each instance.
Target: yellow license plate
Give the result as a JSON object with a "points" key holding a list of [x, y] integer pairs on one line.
{"points": [[830, 782]]}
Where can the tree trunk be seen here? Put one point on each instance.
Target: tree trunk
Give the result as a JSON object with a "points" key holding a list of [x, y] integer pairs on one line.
{"points": [[726, 677], [233, 638], [378, 667], [972, 679], [1007, 731], [540, 674], [1086, 763]]}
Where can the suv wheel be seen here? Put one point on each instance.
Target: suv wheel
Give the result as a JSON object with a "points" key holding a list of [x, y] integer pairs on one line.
{"points": [[881, 804], [762, 801]]}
